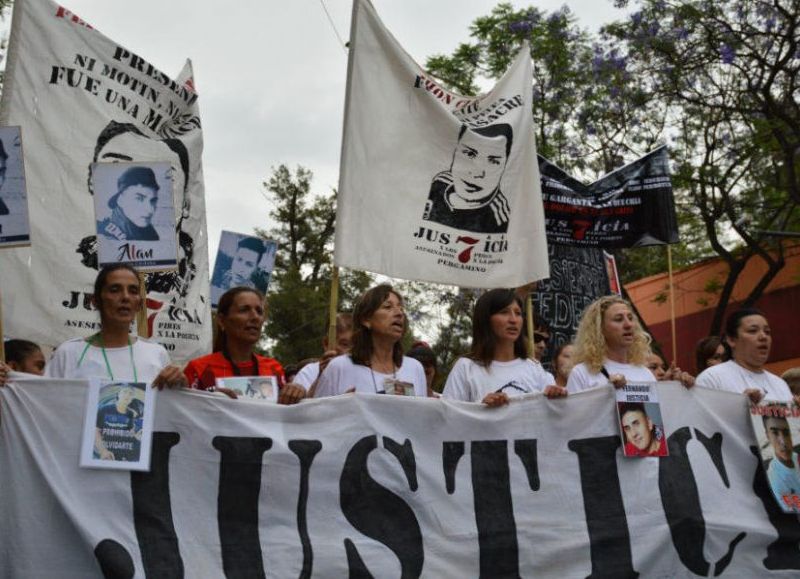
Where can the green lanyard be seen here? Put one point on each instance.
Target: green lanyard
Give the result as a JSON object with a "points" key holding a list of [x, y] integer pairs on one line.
{"points": [[105, 357]]}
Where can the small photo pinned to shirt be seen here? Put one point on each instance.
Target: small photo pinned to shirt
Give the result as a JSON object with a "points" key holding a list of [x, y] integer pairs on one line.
{"points": [[398, 387], [641, 425], [118, 425], [261, 388], [777, 430]]}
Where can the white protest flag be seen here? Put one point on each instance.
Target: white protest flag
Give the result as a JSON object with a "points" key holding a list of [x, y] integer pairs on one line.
{"points": [[436, 186], [390, 486], [81, 98]]}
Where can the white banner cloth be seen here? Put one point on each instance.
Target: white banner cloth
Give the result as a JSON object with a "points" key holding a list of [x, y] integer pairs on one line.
{"points": [[386, 486], [80, 98], [433, 185]]}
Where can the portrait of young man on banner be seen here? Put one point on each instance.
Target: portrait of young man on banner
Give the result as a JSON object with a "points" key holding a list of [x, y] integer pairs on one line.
{"points": [[118, 425], [14, 224], [242, 261], [135, 215], [467, 196], [776, 427], [640, 421], [123, 142]]}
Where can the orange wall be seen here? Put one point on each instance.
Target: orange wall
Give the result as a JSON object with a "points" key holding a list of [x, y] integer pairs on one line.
{"points": [[694, 306]]}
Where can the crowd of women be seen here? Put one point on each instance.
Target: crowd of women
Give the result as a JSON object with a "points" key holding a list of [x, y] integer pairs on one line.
{"points": [[610, 347]]}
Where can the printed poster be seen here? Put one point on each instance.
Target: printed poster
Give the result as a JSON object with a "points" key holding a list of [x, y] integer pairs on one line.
{"points": [[118, 425], [242, 260], [262, 388], [15, 229], [641, 425], [777, 430], [135, 215]]}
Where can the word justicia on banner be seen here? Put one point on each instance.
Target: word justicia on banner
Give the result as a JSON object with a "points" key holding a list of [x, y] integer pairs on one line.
{"points": [[391, 487]]}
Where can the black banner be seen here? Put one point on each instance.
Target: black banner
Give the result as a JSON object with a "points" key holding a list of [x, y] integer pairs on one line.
{"points": [[578, 276], [630, 207]]}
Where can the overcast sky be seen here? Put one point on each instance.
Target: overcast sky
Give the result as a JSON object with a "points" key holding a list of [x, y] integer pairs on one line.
{"points": [[271, 77]]}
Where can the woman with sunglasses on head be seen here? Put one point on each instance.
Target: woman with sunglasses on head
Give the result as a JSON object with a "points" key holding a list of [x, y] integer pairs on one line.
{"points": [[375, 364], [113, 352], [610, 347], [240, 317], [748, 339], [497, 367]]}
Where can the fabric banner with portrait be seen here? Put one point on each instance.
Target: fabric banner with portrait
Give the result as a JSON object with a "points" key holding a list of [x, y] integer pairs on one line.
{"points": [[436, 186], [80, 99], [390, 486], [632, 206]]}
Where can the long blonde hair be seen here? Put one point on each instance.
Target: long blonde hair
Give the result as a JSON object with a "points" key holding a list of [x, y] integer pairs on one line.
{"points": [[590, 343]]}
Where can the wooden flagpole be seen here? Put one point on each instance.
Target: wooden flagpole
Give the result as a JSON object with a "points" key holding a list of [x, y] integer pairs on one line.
{"points": [[141, 315], [672, 306], [334, 305]]}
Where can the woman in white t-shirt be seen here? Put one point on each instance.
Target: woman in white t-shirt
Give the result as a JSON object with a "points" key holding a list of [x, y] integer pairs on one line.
{"points": [[748, 340], [112, 352], [610, 347], [375, 364], [498, 366]]}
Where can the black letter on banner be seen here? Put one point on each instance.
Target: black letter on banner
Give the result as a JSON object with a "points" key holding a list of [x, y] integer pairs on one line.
{"points": [[681, 500], [115, 561], [152, 512], [379, 513], [237, 504], [782, 553], [494, 513], [526, 451], [451, 454], [609, 538], [305, 450]]}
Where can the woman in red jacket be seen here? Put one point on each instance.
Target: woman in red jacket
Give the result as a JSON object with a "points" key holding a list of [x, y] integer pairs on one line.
{"points": [[240, 317]]}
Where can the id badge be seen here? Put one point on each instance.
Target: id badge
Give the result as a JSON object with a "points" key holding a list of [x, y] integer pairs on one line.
{"points": [[398, 387]]}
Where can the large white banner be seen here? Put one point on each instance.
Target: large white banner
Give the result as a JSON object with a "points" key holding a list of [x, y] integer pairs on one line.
{"points": [[81, 98], [384, 486], [433, 185]]}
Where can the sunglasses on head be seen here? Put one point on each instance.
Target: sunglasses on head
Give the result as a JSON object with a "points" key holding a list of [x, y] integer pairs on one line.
{"points": [[537, 337]]}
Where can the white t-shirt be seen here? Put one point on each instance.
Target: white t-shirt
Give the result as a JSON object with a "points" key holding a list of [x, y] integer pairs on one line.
{"points": [[783, 480], [471, 381], [731, 377], [581, 378], [307, 374], [148, 357], [342, 374]]}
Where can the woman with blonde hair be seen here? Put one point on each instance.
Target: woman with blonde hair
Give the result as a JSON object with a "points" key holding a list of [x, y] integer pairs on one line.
{"points": [[610, 347]]}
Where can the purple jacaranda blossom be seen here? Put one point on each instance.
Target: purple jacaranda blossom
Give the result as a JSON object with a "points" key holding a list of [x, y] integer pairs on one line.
{"points": [[520, 27], [727, 53], [636, 18]]}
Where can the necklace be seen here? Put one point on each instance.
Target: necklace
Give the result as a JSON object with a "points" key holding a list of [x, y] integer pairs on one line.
{"points": [[99, 337], [235, 367]]}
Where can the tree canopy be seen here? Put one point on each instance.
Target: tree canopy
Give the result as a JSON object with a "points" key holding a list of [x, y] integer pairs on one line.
{"points": [[717, 81]]}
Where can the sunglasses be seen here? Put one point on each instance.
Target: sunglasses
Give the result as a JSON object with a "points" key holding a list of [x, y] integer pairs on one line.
{"points": [[537, 337]]}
